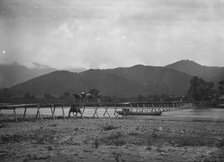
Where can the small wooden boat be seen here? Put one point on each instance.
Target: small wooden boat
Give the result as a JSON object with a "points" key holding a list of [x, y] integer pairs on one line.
{"points": [[126, 113]]}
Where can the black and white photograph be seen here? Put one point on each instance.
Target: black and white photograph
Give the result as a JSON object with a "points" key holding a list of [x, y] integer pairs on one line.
{"points": [[111, 80]]}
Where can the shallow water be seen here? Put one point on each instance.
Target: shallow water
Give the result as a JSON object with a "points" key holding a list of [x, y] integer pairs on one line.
{"points": [[216, 114]]}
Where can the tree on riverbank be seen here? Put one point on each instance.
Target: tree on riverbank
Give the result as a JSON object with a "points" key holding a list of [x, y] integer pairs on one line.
{"points": [[221, 87], [200, 90]]}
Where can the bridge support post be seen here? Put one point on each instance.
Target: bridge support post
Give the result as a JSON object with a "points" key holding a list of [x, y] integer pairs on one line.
{"points": [[38, 113], [106, 112], [115, 110], [131, 107], [84, 108], [63, 112], [24, 114], [152, 108], [95, 112], [15, 117], [52, 112], [137, 108]]}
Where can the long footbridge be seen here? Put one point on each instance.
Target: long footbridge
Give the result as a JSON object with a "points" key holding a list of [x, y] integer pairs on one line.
{"points": [[108, 109]]}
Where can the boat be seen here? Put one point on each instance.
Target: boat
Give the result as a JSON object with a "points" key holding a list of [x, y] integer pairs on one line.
{"points": [[127, 112]]}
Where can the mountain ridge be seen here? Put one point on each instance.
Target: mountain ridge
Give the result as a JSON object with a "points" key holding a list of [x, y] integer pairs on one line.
{"points": [[208, 73], [12, 74], [172, 79], [139, 80]]}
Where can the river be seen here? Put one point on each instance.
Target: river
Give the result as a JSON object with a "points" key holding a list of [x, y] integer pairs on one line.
{"points": [[211, 114]]}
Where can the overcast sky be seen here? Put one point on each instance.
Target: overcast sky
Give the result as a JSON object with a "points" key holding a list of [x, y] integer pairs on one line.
{"points": [[111, 33]]}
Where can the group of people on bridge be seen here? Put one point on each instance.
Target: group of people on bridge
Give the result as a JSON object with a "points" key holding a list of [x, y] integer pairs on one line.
{"points": [[81, 98]]}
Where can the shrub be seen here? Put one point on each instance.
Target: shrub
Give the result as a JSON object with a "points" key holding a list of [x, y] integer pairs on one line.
{"points": [[115, 138], [108, 126]]}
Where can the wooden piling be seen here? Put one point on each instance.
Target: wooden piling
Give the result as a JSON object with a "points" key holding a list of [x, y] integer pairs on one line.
{"points": [[15, 117], [95, 112], [52, 114], [63, 112], [84, 107], [106, 112], [53, 111], [24, 114], [38, 114]]}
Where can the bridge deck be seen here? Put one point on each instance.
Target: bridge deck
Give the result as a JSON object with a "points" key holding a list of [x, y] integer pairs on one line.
{"points": [[135, 107]]}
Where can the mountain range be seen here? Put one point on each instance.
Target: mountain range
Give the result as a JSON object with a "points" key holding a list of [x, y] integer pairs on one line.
{"points": [[12, 74], [123, 81], [208, 73]]}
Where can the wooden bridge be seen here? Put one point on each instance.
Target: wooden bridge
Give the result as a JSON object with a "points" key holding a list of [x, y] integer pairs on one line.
{"points": [[105, 107]]}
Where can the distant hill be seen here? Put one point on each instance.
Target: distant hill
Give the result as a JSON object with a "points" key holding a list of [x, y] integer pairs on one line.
{"points": [[131, 81], [56, 83], [156, 80], [125, 81], [111, 84], [208, 73], [12, 74]]}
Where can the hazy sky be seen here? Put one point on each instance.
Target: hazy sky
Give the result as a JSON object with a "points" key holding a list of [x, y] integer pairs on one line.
{"points": [[111, 33]]}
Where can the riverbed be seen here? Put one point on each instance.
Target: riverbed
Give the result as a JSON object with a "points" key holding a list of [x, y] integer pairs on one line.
{"points": [[186, 135]]}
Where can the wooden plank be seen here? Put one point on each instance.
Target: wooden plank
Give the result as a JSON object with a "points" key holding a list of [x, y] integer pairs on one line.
{"points": [[10, 106]]}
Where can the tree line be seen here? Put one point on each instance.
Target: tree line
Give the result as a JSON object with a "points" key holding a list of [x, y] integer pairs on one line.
{"points": [[201, 90]]}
